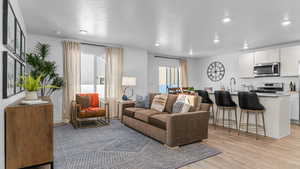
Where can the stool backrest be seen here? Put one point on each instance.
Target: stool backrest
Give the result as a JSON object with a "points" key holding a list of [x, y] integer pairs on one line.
{"points": [[252, 101], [227, 100], [218, 98], [243, 99], [205, 96]]}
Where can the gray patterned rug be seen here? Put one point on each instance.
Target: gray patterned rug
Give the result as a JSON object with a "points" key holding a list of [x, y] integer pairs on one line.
{"points": [[119, 147]]}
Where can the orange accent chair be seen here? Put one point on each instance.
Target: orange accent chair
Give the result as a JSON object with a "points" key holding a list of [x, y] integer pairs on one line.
{"points": [[94, 111]]}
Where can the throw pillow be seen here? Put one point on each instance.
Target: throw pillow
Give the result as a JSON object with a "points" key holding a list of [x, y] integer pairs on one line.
{"points": [[183, 103], [159, 102], [84, 101], [140, 102]]}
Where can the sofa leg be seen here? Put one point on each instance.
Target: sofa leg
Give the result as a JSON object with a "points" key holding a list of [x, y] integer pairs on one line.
{"points": [[171, 148]]}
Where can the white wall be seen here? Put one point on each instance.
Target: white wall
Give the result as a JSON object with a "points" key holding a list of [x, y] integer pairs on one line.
{"points": [[56, 55], [135, 63], [5, 102]]}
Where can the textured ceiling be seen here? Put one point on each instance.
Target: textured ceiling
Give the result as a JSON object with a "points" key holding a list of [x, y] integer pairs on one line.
{"points": [[179, 25]]}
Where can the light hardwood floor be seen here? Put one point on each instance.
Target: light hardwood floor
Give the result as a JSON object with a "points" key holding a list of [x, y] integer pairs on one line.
{"points": [[245, 152]]}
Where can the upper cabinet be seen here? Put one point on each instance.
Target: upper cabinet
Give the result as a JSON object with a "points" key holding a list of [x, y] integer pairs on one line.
{"points": [[290, 57], [267, 56], [246, 63]]}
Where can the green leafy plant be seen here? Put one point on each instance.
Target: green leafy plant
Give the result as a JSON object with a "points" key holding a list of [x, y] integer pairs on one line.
{"points": [[32, 84], [39, 66], [191, 89]]}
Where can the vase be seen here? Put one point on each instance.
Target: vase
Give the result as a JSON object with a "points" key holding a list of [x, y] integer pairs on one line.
{"points": [[31, 95]]}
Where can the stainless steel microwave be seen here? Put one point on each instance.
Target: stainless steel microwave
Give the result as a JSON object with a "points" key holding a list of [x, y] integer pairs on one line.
{"points": [[267, 69]]}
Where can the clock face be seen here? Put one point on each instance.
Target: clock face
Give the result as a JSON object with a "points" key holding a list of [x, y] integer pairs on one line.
{"points": [[216, 71]]}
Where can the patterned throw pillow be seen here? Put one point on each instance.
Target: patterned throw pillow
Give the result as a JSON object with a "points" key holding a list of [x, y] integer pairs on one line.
{"points": [[159, 102], [184, 103], [140, 102], [84, 101]]}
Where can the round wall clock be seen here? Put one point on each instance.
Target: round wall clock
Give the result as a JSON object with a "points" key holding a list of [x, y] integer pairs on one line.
{"points": [[216, 71]]}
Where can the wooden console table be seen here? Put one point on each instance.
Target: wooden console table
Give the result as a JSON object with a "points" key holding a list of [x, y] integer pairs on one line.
{"points": [[28, 135]]}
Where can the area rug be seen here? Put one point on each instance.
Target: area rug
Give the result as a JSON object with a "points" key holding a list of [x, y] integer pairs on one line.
{"points": [[118, 147]]}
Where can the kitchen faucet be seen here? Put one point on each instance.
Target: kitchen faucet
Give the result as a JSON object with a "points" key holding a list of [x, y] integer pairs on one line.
{"points": [[234, 83]]}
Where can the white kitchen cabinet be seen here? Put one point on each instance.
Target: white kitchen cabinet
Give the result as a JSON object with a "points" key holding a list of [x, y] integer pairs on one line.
{"points": [[290, 57], [246, 63], [294, 106], [267, 56]]}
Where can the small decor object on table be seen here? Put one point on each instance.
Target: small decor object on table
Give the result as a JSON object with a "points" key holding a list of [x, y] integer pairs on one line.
{"points": [[32, 86]]}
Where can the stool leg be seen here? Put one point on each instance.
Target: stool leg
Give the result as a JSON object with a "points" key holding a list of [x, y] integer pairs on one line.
{"points": [[218, 116], [213, 113], [240, 121], [247, 120], [229, 119], [256, 125], [263, 119], [223, 117], [236, 122]]}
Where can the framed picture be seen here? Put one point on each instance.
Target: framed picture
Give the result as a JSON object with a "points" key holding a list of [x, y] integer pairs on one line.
{"points": [[18, 39], [18, 74], [8, 75], [23, 48], [23, 70], [9, 26]]}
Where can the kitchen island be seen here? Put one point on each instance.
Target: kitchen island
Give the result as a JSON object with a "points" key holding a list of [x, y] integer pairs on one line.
{"points": [[277, 117]]}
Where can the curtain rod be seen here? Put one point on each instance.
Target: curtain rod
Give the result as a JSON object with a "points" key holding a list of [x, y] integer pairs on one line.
{"points": [[92, 44], [165, 57]]}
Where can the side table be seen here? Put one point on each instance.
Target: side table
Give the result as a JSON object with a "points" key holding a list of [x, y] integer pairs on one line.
{"points": [[120, 104]]}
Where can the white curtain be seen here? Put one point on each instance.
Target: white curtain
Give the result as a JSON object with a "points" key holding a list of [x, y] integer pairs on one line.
{"points": [[71, 76], [113, 75], [183, 73]]}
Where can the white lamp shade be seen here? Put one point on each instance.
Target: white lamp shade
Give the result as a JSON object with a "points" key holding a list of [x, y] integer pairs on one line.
{"points": [[128, 81]]}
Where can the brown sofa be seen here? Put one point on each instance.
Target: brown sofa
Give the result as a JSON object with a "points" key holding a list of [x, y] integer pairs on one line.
{"points": [[171, 129]]}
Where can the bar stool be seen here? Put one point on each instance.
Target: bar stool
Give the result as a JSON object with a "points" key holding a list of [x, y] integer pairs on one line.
{"points": [[249, 103], [224, 102], [207, 100]]}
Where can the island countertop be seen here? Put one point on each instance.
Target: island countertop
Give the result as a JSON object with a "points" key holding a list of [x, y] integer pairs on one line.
{"points": [[277, 116], [281, 94]]}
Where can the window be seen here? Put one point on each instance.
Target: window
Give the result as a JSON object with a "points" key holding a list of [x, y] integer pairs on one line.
{"points": [[168, 78], [92, 70]]}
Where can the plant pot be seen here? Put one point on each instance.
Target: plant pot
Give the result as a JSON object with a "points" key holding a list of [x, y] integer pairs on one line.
{"points": [[31, 95]]}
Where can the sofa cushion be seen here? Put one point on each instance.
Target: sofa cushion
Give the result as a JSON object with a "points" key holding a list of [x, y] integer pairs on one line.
{"points": [[159, 120], [170, 102], [130, 111], [84, 101], [144, 114], [159, 102], [92, 112]]}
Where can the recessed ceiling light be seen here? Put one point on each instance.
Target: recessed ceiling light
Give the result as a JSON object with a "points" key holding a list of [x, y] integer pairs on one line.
{"points": [[286, 22], [216, 41], [245, 45], [191, 52], [58, 32], [157, 44], [226, 19], [83, 31]]}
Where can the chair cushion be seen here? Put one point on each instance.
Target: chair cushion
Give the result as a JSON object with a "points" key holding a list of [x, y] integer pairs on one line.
{"points": [[144, 114], [130, 111], [159, 102], [84, 101], [159, 120], [94, 98], [170, 102], [92, 112]]}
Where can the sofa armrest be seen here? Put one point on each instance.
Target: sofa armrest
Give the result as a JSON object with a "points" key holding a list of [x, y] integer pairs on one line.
{"points": [[127, 105], [185, 128]]}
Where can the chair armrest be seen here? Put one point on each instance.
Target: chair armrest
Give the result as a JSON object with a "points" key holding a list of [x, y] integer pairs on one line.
{"points": [[185, 128]]}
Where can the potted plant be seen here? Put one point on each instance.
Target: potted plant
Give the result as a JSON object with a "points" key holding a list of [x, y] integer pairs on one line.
{"points": [[39, 65], [32, 86]]}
